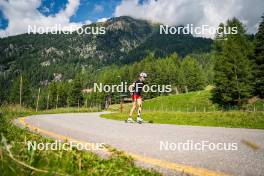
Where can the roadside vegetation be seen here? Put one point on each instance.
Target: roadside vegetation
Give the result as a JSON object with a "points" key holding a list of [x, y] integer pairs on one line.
{"points": [[232, 119], [16, 159], [195, 108]]}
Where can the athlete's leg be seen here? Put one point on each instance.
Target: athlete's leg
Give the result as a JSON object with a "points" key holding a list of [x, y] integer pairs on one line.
{"points": [[139, 103], [134, 106]]}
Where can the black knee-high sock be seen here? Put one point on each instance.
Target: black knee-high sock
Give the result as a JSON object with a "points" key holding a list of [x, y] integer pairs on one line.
{"points": [[139, 113]]}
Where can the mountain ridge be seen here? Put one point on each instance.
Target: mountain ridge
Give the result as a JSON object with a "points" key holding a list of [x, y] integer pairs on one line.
{"points": [[126, 40]]}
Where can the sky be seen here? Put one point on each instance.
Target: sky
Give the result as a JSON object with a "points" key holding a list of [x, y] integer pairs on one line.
{"points": [[16, 15]]}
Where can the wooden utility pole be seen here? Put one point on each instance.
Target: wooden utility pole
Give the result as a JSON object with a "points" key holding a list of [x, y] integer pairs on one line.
{"points": [[57, 99], [68, 103], [20, 91], [47, 107], [121, 105], [176, 91], [186, 89], [37, 101]]}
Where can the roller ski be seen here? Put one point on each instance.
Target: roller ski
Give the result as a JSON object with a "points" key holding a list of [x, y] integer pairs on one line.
{"points": [[129, 120]]}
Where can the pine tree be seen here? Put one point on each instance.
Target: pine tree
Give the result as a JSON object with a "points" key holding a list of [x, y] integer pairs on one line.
{"points": [[233, 70], [259, 61], [191, 74], [25, 91], [4, 87], [62, 91], [75, 92], [52, 91]]}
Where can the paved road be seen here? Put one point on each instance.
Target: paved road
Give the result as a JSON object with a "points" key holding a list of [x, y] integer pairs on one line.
{"points": [[145, 140]]}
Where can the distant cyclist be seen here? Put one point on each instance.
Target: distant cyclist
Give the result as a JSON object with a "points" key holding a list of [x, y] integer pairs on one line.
{"points": [[136, 90]]}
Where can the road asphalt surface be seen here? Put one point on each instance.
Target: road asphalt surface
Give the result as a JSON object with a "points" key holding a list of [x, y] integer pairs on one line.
{"points": [[241, 151]]}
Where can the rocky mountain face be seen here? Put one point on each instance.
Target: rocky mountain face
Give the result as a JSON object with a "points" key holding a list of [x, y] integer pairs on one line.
{"points": [[126, 40]]}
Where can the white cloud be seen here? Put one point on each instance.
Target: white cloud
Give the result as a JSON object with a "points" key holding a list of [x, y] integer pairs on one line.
{"points": [[21, 13], [102, 19], [87, 22], [197, 12]]}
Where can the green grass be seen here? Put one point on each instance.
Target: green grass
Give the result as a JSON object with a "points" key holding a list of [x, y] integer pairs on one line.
{"points": [[69, 110], [193, 101], [232, 119], [198, 101], [60, 162], [195, 108]]}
